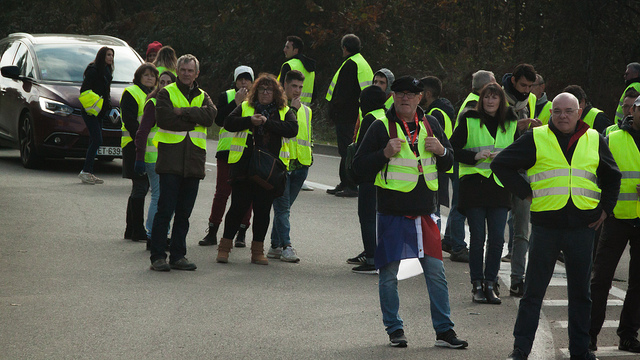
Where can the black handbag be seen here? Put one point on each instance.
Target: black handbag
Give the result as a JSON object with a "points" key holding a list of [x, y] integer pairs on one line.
{"points": [[267, 170]]}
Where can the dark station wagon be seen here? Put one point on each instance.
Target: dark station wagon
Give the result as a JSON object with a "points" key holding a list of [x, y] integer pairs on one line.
{"points": [[39, 89]]}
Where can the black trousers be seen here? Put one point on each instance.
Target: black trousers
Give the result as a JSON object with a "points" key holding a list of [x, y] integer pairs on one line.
{"points": [[613, 240], [243, 194], [344, 134]]}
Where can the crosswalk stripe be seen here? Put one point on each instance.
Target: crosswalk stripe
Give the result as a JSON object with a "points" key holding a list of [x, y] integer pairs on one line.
{"points": [[610, 302], [603, 351], [563, 324]]}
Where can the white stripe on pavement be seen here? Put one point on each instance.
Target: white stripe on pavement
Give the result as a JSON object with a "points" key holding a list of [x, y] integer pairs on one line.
{"points": [[603, 351], [610, 302], [563, 324]]}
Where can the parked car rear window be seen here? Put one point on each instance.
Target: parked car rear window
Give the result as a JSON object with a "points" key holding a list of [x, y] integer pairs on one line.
{"points": [[62, 62]]}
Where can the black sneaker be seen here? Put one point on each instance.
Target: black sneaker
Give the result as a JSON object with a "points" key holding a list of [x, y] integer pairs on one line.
{"points": [[335, 190], [450, 339], [347, 193], [446, 248], [516, 290], [588, 356], [506, 258], [397, 339], [210, 239], [160, 265], [460, 256], [359, 259], [629, 344], [365, 269], [183, 264], [517, 354]]}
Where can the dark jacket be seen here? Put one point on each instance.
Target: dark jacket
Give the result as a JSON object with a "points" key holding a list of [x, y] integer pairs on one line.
{"points": [[129, 114], [269, 136], [476, 190], [224, 109], [370, 159], [147, 123], [184, 158], [522, 155], [100, 83], [443, 179], [343, 107]]}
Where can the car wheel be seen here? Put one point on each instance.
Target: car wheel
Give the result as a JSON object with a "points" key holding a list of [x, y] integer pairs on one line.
{"points": [[28, 154]]}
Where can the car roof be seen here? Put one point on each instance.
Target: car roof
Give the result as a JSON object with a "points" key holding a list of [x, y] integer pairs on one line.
{"points": [[70, 39]]}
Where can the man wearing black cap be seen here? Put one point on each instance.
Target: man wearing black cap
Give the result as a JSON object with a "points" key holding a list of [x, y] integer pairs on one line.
{"points": [[404, 151]]}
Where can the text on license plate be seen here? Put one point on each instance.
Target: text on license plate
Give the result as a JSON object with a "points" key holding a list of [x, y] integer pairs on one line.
{"points": [[110, 151]]}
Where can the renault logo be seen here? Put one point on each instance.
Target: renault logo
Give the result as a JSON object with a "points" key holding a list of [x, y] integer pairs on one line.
{"points": [[114, 115]]}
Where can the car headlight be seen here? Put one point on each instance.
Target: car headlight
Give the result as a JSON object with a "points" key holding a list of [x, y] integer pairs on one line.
{"points": [[55, 107]]}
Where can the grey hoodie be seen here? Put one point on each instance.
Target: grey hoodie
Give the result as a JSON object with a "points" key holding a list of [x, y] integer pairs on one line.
{"points": [[390, 78]]}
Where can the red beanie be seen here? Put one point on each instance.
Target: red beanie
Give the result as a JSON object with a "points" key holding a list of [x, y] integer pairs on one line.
{"points": [[154, 47]]}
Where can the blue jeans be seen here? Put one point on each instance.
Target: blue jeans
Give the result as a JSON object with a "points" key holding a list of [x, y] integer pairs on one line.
{"points": [[521, 216], [436, 286], [545, 246], [177, 195], [367, 217], [154, 183], [94, 125], [454, 229], [496, 220], [280, 232]]}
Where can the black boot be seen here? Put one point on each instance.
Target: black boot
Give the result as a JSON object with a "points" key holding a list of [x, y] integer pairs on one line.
{"points": [[240, 238], [489, 292], [139, 233], [128, 230], [211, 237], [478, 293]]}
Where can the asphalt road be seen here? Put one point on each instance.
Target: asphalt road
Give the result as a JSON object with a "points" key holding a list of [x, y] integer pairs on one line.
{"points": [[72, 288]]}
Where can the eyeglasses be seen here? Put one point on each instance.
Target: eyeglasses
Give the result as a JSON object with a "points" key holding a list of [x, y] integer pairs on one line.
{"points": [[265, 90], [568, 112], [408, 95]]}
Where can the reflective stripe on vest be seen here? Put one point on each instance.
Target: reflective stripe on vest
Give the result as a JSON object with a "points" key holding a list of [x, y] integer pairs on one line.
{"points": [[140, 97], [402, 172], [545, 113], [470, 97], [625, 152], [91, 102], [151, 151], [198, 135], [590, 118], [224, 137], [365, 74], [620, 110], [553, 180], [239, 139], [478, 139], [309, 79]]}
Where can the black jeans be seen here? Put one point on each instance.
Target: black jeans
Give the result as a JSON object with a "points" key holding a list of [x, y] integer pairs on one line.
{"points": [[177, 194], [613, 240], [243, 194], [344, 134], [367, 216], [94, 125]]}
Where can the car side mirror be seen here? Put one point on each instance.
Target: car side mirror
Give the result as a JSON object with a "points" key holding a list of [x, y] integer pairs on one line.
{"points": [[12, 72]]}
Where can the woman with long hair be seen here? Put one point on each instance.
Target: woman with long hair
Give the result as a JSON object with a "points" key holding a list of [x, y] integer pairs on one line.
{"points": [[146, 152], [479, 136], [95, 96], [132, 109], [262, 121], [166, 60]]}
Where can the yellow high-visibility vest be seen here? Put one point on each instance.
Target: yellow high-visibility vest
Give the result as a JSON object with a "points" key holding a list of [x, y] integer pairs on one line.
{"points": [[590, 118], [224, 137], [470, 97], [140, 97], [545, 113], [402, 172], [377, 114], [620, 110], [365, 74], [239, 138], [309, 79], [198, 135], [478, 139], [300, 146], [91, 102], [151, 151], [553, 180], [625, 152]]}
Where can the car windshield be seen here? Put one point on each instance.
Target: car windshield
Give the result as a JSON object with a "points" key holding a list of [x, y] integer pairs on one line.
{"points": [[67, 62]]}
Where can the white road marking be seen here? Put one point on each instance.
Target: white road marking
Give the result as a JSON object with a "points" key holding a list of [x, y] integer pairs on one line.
{"points": [[603, 351], [563, 324]]}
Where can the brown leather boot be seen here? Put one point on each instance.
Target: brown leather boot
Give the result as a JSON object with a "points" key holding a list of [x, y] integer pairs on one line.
{"points": [[257, 253], [224, 247]]}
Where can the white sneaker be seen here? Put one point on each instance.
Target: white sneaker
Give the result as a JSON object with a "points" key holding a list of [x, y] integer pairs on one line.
{"points": [[87, 178], [306, 187], [289, 254], [97, 180], [274, 253]]}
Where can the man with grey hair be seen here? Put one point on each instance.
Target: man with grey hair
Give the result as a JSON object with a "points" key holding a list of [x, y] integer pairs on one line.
{"points": [[543, 105], [453, 239], [631, 80], [572, 185], [183, 113]]}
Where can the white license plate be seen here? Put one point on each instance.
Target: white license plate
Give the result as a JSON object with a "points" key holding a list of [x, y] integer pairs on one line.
{"points": [[110, 151]]}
